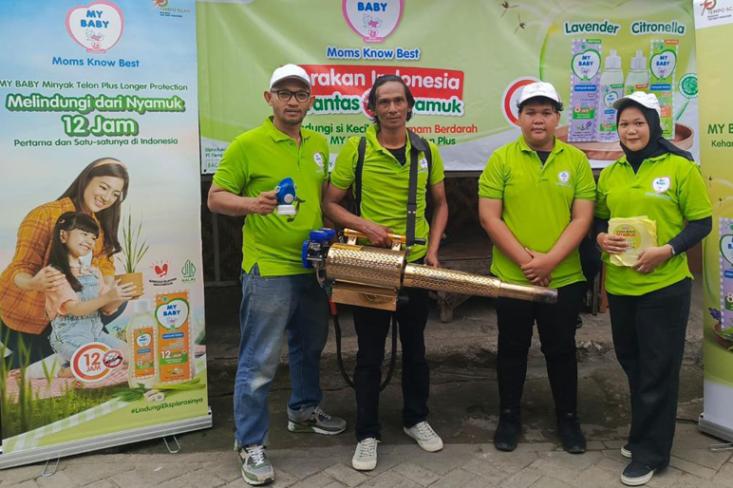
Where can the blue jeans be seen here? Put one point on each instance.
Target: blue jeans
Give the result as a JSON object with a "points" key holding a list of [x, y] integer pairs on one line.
{"points": [[270, 306]]}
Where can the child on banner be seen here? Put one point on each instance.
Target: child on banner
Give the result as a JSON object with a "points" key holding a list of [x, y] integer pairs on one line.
{"points": [[74, 307]]}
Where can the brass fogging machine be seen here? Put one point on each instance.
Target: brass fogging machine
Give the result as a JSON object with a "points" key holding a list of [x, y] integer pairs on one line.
{"points": [[369, 276]]}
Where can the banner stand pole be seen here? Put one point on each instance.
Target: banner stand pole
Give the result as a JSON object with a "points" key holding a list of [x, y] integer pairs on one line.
{"points": [[38, 454]]}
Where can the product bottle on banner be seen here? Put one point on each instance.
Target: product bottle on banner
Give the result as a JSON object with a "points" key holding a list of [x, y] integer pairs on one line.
{"points": [[612, 88], [662, 64], [638, 77], [142, 341], [584, 88], [175, 345]]}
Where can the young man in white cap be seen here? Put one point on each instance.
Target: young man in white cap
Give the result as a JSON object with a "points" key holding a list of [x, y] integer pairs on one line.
{"points": [[536, 203], [279, 295]]}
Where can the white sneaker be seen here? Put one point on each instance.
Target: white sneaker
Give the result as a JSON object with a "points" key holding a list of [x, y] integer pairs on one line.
{"points": [[425, 436], [626, 452], [365, 455]]}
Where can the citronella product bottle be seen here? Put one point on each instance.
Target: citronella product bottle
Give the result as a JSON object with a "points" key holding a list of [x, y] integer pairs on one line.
{"points": [[612, 88], [662, 64], [638, 77], [584, 90], [142, 340], [175, 344]]}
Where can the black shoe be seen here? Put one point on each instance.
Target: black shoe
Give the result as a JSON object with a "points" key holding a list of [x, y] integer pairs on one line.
{"points": [[508, 430], [571, 437], [637, 474]]}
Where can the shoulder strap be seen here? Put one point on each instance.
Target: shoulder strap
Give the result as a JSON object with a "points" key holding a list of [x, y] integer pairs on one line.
{"points": [[361, 150], [418, 145]]}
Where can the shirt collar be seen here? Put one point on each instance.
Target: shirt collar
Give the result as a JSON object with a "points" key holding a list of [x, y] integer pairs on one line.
{"points": [[278, 135], [624, 160], [524, 147], [371, 135]]}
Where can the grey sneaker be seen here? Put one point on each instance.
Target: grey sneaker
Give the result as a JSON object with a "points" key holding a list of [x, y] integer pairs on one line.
{"points": [[256, 468], [425, 436], [365, 455], [316, 421]]}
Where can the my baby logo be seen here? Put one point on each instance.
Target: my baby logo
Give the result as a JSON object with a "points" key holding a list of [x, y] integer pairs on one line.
{"points": [[373, 21], [586, 64], [96, 27], [726, 247], [173, 314], [564, 177], [661, 184], [663, 64]]}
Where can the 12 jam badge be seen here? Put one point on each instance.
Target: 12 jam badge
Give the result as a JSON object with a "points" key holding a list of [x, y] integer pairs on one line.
{"points": [[94, 362], [160, 270]]}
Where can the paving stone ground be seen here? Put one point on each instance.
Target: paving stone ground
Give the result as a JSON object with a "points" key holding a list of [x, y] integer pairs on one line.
{"points": [[463, 407]]}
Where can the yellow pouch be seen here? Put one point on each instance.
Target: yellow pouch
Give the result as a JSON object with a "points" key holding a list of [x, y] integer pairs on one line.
{"points": [[640, 232]]}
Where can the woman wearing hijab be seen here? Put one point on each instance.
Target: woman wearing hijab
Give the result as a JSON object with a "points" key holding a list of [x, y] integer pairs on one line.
{"points": [[650, 300]]}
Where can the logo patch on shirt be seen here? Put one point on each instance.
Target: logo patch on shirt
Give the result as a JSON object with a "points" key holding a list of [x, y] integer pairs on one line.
{"points": [[423, 165], [318, 159], [563, 176], [661, 184]]}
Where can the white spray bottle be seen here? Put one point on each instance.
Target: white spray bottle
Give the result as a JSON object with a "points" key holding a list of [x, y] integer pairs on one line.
{"points": [[143, 344], [612, 88], [638, 77]]}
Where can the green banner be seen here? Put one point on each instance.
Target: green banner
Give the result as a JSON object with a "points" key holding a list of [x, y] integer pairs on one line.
{"points": [[714, 23], [100, 187], [464, 61]]}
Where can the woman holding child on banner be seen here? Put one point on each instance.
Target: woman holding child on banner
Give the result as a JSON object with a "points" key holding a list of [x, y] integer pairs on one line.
{"points": [[98, 191], [658, 207]]}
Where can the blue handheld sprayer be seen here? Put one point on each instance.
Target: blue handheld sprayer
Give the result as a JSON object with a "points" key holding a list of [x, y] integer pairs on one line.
{"points": [[286, 198]]}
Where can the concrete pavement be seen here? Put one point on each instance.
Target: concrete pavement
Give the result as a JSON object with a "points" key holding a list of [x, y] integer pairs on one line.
{"points": [[463, 410]]}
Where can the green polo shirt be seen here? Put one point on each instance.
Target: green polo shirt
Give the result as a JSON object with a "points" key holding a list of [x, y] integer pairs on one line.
{"points": [[256, 161], [668, 189], [537, 201], [385, 184]]}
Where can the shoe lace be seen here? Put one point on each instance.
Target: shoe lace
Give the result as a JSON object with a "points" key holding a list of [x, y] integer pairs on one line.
{"points": [[424, 430], [367, 447], [257, 453], [318, 413]]}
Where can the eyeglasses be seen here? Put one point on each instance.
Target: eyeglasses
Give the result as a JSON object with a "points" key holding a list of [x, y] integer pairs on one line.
{"points": [[286, 95]]}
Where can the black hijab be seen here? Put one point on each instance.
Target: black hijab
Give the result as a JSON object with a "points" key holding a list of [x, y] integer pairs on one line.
{"points": [[657, 145]]}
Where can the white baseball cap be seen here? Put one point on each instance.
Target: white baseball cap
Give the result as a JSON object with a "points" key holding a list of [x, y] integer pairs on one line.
{"points": [[648, 100], [289, 71], [538, 89]]}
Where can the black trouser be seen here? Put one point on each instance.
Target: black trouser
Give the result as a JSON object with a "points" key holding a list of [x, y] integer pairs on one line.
{"points": [[556, 325], [649, 338], [371, 328]]}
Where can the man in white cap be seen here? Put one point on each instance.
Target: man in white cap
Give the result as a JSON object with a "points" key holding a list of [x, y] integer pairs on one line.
{"points": [[279, 296], [536, 203]]}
